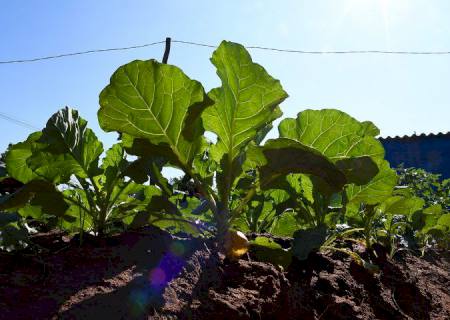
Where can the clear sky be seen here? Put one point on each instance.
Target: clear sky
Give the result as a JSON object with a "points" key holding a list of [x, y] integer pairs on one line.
{"points": [[400, 94]]}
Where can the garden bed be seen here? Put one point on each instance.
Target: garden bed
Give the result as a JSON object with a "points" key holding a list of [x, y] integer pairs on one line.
{"points": [[150, 274]]}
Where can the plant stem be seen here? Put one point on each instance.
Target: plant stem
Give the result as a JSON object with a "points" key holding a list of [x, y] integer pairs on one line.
{"points": [[250, 194]]}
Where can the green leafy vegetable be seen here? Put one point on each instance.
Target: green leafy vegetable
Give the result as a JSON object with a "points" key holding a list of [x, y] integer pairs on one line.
{"points": [[158, 103]]}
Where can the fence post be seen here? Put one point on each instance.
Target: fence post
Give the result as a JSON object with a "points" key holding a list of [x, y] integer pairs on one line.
{"points": [[167, 50]]}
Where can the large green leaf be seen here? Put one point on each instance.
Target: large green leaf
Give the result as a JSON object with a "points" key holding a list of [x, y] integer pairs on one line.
{"points": [[334, 133], [345, 141], [70, 147], [37, 193], [284, 156], [114, 163], [254, 158], [65, 147], [130, 199], [16, 158], [158, 103], [444, 221], [244, 106], [55, 168], [377, 190], [369, 129], [285, 225], [358, 170], [398, 205]]}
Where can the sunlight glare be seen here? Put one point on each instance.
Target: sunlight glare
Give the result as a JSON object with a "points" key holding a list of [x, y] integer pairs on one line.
{"points": [[376, 13]]}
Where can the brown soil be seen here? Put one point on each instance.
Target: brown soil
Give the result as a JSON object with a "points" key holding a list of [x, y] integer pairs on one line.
{"points": [[150, 275]]}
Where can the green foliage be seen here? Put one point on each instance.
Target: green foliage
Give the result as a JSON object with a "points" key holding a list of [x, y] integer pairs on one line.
{"points": [[316, 203], [426, 185], [60, 169], [430, 226], [325, 168], [160, 111], [334, 133], [158, 103], [377, 189], [244, 105], [267, 250], [2, 166], [324, 179], [13, 230]]}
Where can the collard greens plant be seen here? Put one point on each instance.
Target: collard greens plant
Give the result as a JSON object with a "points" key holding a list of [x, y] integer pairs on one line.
{"points": [[323, 179], [63, 180], [161, 112]]}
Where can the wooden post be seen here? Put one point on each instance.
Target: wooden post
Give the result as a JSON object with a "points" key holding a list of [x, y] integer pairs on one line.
{"points": [[167, 50]]}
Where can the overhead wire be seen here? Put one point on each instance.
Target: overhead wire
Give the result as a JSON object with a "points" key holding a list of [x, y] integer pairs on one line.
{"points": [[323, 52], [17, 121], [62, 55]]}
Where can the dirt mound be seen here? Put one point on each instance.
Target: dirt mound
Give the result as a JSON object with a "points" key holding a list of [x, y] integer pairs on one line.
{"points": [[324, 287], [211, 288], [151, 275]]}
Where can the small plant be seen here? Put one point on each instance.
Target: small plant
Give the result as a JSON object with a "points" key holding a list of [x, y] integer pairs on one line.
{"points": [[430, 228], [310, 208], [13, 229], [61, 176], [426, 185]]}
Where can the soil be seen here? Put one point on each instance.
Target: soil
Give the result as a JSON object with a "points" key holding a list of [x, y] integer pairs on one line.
{"points": [[151, 275]]}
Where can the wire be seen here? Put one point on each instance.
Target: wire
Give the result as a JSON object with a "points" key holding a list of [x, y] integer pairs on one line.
{"points": [[355, 51], [195, 43], [320, 52], [81, 53], [17, 121], [213, 46]]}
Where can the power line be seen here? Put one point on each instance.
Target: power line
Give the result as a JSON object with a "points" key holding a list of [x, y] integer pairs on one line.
{"points": [[80, 53], [323, 52], [195, 43], [355, 51], [213, 46], [17, 121]]}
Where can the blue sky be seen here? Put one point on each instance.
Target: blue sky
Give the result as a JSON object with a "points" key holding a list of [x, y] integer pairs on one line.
{"points": [[400, 94]]}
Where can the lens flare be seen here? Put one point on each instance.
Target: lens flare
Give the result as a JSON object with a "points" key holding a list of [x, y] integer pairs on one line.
{"points": [[157, 277], [178, 248], [150, 291]]}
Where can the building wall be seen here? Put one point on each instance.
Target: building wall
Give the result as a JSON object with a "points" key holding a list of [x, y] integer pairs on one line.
{"points": [[431, 152]]}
